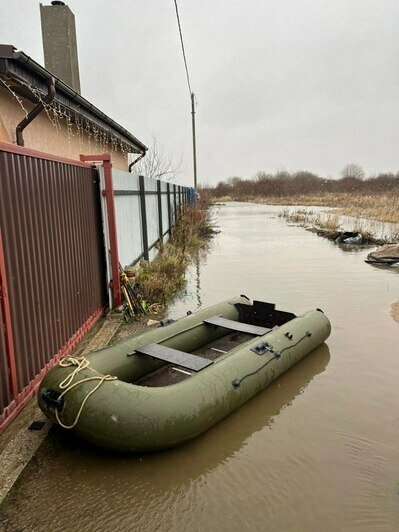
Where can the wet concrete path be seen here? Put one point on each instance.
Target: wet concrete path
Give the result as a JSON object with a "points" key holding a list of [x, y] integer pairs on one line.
{"points": [[315, 451]]}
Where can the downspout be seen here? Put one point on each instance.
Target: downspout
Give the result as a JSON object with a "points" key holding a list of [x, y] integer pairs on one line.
{"points": [[35, 111], [136, 161]]}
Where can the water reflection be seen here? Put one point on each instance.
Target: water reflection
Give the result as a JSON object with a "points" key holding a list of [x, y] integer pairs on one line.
{"points": [[191, 298], [231, 433], [198, 280], [354, 248], [390, 268]]}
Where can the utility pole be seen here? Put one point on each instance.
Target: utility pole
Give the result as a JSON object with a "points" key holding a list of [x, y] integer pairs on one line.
{"points": [[194, 142]]}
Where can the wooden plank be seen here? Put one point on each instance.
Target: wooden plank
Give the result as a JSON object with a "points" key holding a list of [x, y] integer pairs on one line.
{"points": [[173, 356], [238, 326]]}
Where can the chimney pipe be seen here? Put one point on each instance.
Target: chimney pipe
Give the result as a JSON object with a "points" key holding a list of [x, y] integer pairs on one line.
{"points": [[59, 43]]}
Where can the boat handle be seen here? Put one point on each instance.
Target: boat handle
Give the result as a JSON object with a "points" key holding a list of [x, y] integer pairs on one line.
{"points": [[51, 397], [265, 347]]}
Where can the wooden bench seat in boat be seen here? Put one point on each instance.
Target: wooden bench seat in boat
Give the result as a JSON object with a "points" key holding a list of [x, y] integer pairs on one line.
{"points": [[237, 326], [174, 356]]}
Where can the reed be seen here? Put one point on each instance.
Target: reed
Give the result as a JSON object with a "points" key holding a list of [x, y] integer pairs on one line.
{"points": [[160, 280], [329, 225], [381, 207]]}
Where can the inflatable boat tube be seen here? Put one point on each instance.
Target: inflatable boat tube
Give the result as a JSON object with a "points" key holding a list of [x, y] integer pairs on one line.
{"points": [[103, 397]]}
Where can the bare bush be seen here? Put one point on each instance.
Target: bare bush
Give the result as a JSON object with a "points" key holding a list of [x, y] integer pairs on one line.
{"points": [[283, 184], [157, 165], [353, 171]]}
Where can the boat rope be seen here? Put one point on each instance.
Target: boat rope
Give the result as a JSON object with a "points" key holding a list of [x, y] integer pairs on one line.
{"points": [[276, 354], [67, 384]]}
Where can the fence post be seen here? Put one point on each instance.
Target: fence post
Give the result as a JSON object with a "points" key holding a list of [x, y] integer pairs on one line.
{"points": [[160, 212], [174, 203], [113, 237], [143, 217], [169, 210], [109, 191], [6, 312]]}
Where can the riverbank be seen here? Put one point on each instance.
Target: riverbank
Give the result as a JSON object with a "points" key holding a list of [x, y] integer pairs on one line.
{"points": [[329, 225], [381, 207], [359, 211], [395, 311]]}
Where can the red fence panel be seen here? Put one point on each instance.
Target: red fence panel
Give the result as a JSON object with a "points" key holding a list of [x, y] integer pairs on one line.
{"points": [[50, 221], [5, 389]]}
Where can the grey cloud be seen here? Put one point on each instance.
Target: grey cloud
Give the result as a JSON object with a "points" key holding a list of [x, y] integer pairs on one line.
{"points": [[310, 84]]}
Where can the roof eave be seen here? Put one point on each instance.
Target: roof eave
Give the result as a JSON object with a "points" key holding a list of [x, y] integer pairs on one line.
{"points": [[10, 53]]}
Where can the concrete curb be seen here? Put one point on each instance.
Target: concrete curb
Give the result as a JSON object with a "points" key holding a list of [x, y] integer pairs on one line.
{"points": [[104, 335], [17, 453]]}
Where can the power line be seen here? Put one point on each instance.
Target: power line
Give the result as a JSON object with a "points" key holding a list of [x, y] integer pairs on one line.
{"points": [[182, 47], [192, 97]]}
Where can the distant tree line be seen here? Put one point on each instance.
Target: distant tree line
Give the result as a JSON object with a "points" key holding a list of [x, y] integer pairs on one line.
{"points": [[284, 183]]}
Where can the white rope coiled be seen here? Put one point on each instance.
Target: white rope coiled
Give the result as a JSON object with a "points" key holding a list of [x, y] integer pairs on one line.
{"points": [[67, 384]]}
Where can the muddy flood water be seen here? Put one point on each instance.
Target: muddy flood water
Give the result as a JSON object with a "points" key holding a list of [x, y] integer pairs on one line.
{"points": [[316, 451]]}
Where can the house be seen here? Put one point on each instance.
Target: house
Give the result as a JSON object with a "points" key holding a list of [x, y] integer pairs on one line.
{"points": [[41, 108]]}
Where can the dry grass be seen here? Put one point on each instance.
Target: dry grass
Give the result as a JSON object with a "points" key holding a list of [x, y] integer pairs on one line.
{"points": [[381, 207], [374, 197], [395, 311], [308, 218], [195, 228], [161, 280], [329, 225]]}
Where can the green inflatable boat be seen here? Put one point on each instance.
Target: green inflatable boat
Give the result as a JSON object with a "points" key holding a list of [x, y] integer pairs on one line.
{"points": [[172, 383]]}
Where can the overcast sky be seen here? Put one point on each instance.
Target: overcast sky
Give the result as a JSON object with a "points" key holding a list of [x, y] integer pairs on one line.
{"points": [[310, 84]]}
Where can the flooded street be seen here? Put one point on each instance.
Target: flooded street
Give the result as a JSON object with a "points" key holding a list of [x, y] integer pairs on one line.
{"points": [[317, 450]]}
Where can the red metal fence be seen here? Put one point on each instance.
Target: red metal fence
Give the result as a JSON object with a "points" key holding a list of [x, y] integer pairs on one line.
{"points": [[53, 266], [5, 391]]}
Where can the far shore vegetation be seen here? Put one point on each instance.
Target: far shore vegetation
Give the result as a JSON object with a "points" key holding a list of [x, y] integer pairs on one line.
{"points": [[353, 194]]}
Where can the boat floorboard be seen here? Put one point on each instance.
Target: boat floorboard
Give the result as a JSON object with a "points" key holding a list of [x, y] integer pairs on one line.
{"points": [[166, 375]]}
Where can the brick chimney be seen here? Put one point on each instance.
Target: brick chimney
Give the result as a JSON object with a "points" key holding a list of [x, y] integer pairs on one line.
{"points": [[59, 43]]}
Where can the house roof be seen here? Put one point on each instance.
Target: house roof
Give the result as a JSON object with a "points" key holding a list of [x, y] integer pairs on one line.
{"points": [[25, 73]]}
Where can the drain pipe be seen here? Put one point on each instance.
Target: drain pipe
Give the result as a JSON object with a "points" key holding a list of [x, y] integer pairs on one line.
{"points": [[35, 111], [136, 161]]}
